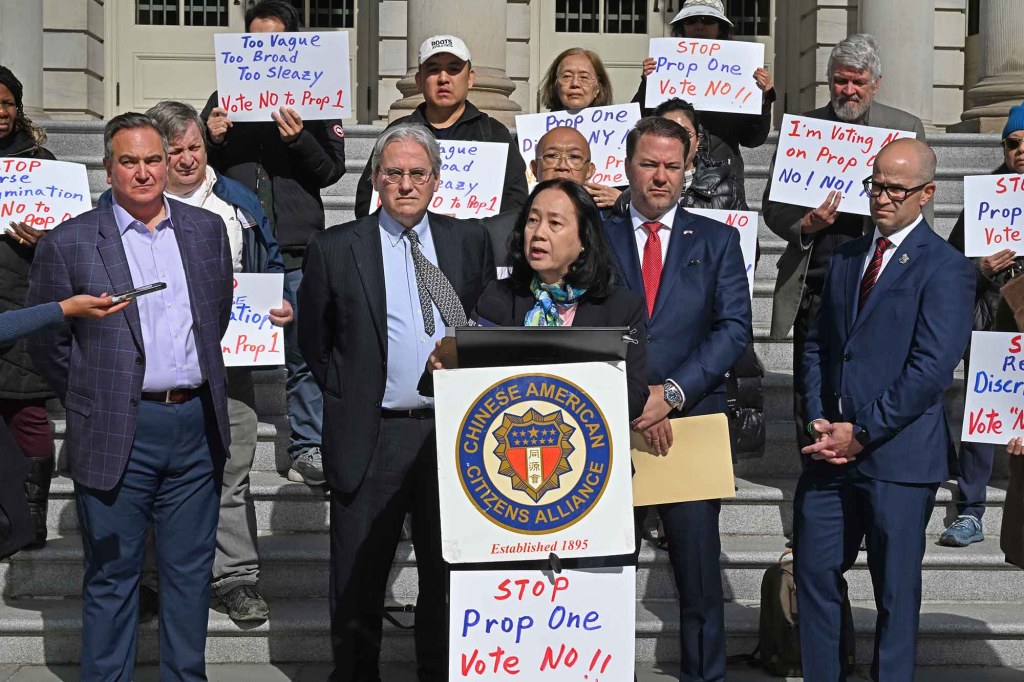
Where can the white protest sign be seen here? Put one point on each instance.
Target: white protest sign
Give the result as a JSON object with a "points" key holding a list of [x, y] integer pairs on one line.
{"points": [[572, 626], [816, 156], [992, 206], [534, 460], [605, 129], [251, 339], [994, 406], [42, 193], [258, 73], [712, 75], [746, 223], [472, 179]]}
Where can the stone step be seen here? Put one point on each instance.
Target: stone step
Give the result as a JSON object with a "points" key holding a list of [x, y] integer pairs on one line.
{"points": [[297, 566], [406, 672], [762, 506], [36, 631]]}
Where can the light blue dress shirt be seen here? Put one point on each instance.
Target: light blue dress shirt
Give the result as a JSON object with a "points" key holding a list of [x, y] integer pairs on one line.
{"points": [[408, 342], [172, 360]]}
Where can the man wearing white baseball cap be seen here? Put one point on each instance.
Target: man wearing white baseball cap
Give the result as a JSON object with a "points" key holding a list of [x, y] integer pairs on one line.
{"points": [[445, 77]]}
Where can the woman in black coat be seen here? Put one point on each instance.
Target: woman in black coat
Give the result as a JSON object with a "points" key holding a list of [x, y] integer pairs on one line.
{"points": [[562, 274], [23, 393], [706, 19]]}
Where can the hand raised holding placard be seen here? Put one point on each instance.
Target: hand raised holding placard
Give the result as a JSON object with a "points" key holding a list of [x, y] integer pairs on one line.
{"points": [[289, 123], [218, 124], [823, 216], [24, 234], [997, 262], [763, 79]]}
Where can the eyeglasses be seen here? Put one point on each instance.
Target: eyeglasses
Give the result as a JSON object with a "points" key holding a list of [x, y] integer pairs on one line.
{"points": [[393, 176], [895, 192], [584, 78], [1011, 143], [573, 160], [707, 21]]}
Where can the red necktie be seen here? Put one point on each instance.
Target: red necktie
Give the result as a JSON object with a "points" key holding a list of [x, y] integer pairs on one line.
{"points": [[871, 274], [651, 267]]}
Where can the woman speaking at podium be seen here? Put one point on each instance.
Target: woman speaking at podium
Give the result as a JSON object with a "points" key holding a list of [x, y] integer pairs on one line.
{"points": [[562, 274]]}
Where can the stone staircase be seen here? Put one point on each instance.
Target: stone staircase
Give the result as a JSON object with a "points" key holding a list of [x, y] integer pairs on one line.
{"points": [[974, 602]]}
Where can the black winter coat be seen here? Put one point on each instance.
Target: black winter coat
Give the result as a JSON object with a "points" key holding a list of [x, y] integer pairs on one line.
{"points": [[734, 130], [296, 170], [472, 125], [18, 377]]}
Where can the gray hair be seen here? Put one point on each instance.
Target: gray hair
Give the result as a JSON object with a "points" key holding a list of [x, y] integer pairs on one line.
{"points": [[128, 121], [859, 52], [173, 118], [415, 132]]}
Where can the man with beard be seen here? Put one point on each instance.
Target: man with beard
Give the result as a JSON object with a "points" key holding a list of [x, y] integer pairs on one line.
{"points": [[812, 235]]}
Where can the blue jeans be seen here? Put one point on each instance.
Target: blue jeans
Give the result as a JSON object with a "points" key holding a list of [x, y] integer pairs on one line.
{"points": [[305, 402], [170, 481]]}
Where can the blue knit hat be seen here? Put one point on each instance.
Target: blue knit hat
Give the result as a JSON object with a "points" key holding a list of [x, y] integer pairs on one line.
{"points": [[1015, 122]]}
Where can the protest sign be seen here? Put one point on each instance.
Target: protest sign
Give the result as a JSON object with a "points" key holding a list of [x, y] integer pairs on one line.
{"points": [[746, 223], [992, 206], [994, 406], [605, 129], [533, 460], [41, 193], [258, 73], [251, 339], [472, 179], [574, 626], [712, 75], [817, 156]]}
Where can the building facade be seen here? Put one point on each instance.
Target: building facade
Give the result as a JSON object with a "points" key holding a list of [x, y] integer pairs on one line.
{"points": [[952, 62]]}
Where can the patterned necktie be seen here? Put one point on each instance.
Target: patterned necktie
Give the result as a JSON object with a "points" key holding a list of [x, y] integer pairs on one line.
{"points": [[871, 274], [433, 285], [651, 266]]}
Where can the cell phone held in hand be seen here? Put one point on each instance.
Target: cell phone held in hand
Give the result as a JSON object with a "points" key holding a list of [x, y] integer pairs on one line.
{"points": [[141, 291]]}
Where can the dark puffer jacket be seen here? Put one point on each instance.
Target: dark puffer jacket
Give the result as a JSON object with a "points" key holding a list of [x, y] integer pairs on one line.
{"points": [[296, 171], [18, 378]]}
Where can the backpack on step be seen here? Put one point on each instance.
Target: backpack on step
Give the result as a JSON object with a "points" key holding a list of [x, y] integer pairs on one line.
{"points": [[778, 647]]}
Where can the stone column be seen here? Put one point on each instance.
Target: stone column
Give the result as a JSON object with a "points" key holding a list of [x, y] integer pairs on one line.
{"points": [[21, 49], [482, 24], [905, 31], [1001, 71]]}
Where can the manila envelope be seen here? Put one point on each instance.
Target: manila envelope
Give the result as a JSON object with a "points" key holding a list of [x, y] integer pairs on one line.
{"points": [[697, 467]]}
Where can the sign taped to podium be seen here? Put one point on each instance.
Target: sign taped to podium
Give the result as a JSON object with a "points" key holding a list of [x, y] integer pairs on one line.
{"points": [[533, 461]]}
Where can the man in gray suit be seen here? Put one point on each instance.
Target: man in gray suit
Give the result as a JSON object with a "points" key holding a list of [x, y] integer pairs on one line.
{"points": [[812, 235]]}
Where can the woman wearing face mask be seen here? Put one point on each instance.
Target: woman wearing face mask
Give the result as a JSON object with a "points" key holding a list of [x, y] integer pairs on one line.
{"points": [[706, 19], [991, 313], [576, 80]]}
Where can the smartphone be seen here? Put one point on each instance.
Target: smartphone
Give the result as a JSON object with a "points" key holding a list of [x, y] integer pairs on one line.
{"points": [[141, 291]]}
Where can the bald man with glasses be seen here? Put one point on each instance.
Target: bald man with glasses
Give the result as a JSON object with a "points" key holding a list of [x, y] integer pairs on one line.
{"points": [[562, 152]]}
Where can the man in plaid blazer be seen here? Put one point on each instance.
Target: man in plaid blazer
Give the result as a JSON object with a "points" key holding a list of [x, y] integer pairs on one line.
{"points": [[144, 392]]}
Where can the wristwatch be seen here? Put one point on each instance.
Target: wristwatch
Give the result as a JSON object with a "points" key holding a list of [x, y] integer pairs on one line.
{"points": [[860, 434], [673, 396]]}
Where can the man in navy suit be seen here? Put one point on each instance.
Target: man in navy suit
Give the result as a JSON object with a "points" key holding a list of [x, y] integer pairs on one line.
{"points": [[895, 318], [690, 271], [145, 394]]}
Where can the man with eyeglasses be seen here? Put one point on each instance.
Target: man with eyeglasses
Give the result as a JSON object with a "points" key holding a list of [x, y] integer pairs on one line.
{"points": [[562, 152], [894, 321], [991, 313], [445, 77], [812, 236], [378, 293]]}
